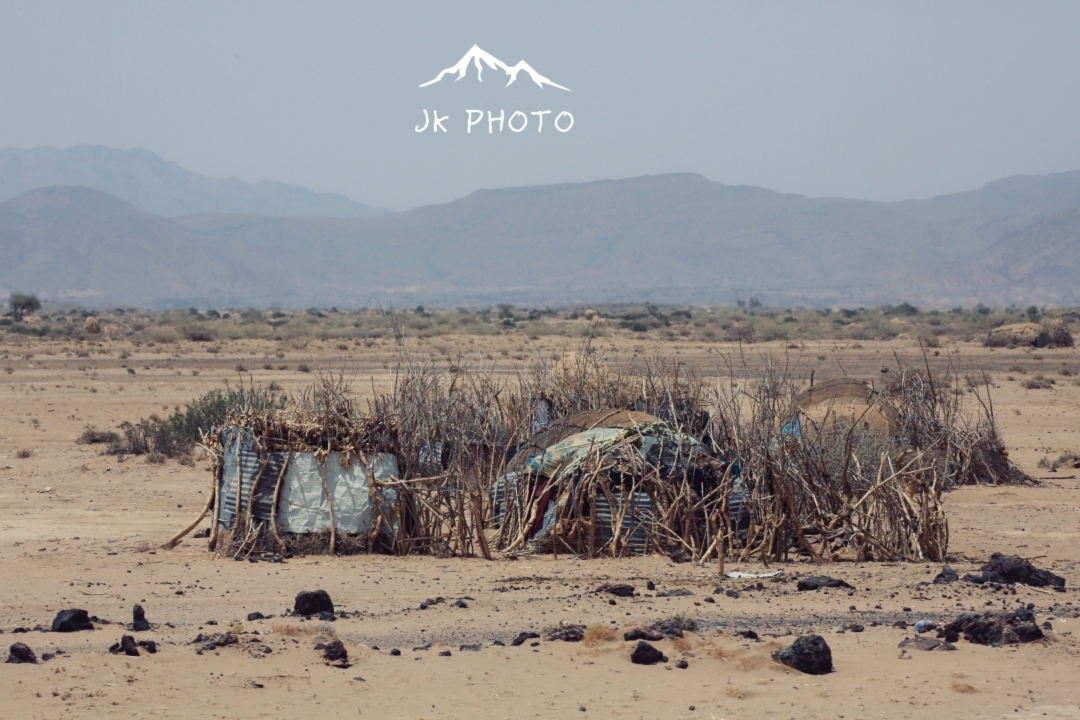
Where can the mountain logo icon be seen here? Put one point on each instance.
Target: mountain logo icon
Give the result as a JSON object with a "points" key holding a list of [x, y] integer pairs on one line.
{"points": [[480, 58]]}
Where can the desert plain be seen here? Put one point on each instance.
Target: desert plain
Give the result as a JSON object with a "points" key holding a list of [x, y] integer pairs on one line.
{"points": [[81, 529]]}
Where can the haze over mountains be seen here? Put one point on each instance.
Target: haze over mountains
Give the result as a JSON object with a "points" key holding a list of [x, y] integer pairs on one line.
{"points": [[676, 238], [158, 186]]}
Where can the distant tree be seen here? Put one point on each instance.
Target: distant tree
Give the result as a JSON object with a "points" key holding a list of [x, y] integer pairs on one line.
{"points": [[754, 302], [1033, 313], [23, 304], [740, 303]]}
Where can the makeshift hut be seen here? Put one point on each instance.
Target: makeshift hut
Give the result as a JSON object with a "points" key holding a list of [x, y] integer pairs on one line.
{"points": [[1027, 333]]}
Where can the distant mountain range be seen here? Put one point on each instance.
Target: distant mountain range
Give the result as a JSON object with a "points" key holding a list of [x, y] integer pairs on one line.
{"points": [[163, 188], [667, 239]]}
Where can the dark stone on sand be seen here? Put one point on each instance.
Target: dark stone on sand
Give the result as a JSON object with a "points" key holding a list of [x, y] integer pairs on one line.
{"points": [[947, 575], [20, 653], [681, 592], [854, 627], [642, 634], [569, 633], [821, 581], [127, 645], [394, 652], [149, 645], [71, 621], [445, 653], [469, 648], [520, 639], [646, 654], [327, 617], [313, 602], [708, 599], [255, 616], [616, 590], [650, 585], [995, 628], [925, 643], [138, 619], [1007, 569], [680, 556], [682, 664], [733, 594], [670, 628], [335, 651], [460, 604], [748, 634], [809, 654]]}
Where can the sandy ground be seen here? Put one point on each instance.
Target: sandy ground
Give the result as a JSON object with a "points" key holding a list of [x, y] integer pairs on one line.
{"points": [[82, 530]]}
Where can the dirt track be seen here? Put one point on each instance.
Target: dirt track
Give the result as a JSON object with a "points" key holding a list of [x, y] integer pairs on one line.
{"points": [[82, 530]]}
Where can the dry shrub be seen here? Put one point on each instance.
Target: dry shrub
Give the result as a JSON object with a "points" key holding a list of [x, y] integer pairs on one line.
{"points": [[682, 644], [1059, 334], [285, 629], [93, 436], [734, 692], [1037, 382], [24, 453], [597, 634], [962, 687]]}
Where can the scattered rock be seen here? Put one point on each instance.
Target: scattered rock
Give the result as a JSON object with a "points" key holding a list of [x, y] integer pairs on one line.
{"points": [[469, 648], [924, 626], [255, 616], [445, 653], [733, 594], [809, 654], [520, 639], [138, 619], [670, 628], [748, 634], [995, 628], [149, 645], [680, 556], [680, 593], [314, 602], [335, 652], [650, 585], [20, 653], [204, 533], [682, 664], [394, 652], [643, 634], [947, 575], [460, 604], [569, 633], [708, 599], [925, 643], [71, 621], [212, 641], [92, 326], [821, 581], [127, 645], [327, 616], [1013, 569], [646, 654], [854, 627], [617, 590]]}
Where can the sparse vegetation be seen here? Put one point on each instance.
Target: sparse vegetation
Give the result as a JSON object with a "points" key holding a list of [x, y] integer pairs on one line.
{"points": [[24, 453]]}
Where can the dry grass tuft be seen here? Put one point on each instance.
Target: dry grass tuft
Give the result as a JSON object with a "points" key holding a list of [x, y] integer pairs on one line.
{"points": [[285, 629], [734, 692], [597, 634], [682, 644], [962, 687]]}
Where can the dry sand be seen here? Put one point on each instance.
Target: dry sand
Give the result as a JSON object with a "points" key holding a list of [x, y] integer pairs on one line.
{"points": [[82, 530]]}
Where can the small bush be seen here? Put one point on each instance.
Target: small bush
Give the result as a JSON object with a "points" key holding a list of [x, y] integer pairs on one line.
{"points": [[686, 622], [93, 436], [24, 453], [303, 367], [156, 458], [1037, 382]]}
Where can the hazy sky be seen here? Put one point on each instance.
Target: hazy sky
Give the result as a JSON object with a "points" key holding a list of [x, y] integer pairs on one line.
{"points": [[858, 99]]}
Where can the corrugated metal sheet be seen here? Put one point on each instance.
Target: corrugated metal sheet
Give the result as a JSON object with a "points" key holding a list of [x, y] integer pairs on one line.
{"points": [[240, 446], [639, 513]]}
